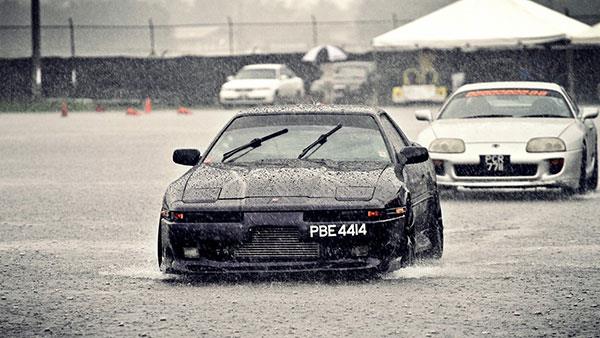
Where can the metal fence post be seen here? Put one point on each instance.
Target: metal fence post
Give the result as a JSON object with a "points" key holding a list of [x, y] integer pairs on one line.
{"points": [[230, 28], [72, 37], [152, 45], [36, 55], [314, 30]]}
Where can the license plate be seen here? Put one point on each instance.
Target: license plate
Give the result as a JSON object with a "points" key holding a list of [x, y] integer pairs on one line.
{"points": [[337, 230], [495, 163]]}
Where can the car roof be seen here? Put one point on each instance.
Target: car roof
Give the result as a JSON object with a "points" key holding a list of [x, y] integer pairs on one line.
{"points": [[264, 66], [510, 85], [312, 108]]}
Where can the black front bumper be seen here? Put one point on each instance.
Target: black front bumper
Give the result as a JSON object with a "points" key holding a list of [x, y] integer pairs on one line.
{"points": [[220, 244], [205, 266]]}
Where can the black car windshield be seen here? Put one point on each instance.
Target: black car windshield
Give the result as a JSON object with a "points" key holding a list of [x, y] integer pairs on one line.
{"points": [[256, 73], [358, 140], [498, 103]]}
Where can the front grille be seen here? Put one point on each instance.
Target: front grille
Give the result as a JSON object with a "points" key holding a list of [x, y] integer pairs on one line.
{"points": [[511, 170], [277, 243]]}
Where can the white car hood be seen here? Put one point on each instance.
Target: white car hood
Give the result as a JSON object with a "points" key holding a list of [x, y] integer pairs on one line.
{"points": [[251, 84], [500, 129]]}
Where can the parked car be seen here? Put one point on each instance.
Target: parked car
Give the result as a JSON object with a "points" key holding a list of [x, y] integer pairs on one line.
{"points": [[419, 86], [262, 84], [346, 82], [513, 135], [302, 188]]}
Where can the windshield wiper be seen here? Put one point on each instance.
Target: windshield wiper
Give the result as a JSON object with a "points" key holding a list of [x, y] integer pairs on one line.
{"points": [[319, 142], [485, 116], [255, 143], [545, 115]]}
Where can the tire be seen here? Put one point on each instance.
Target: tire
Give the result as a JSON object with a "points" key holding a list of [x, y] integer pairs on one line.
{"points": [[408, 251], [165, 257], [436, 238], [277, 100], [408, 243], [592, 181], [583, 182]]}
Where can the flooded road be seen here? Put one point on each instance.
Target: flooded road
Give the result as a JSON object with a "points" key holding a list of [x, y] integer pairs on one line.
{"points": [[80, 200]]}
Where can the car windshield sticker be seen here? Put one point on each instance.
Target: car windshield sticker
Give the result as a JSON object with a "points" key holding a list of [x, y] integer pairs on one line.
{"points": [[498, 92]]}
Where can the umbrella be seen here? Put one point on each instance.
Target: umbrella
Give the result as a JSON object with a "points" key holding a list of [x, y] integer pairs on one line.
{"points": [[325, 53]]}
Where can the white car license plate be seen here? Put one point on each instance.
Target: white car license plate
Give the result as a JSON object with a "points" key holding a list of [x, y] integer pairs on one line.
{"points": [[337, 230], [495, 163]]}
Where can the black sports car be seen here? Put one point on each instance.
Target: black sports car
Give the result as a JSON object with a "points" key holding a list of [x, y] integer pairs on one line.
{"points": [[302, 188]]}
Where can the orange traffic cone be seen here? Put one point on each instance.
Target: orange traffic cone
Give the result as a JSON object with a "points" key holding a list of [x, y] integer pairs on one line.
{"points": [[184, 111], [64, 109], [148, 105], [132, 111]]}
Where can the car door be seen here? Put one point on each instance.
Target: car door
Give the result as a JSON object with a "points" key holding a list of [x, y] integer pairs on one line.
{"points": [[419, 178]]}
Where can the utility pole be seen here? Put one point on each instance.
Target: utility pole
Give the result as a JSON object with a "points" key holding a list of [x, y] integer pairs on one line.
{"points": [[314, 30], [152, 45], [36, 56], [72, 35], [230, 28]]}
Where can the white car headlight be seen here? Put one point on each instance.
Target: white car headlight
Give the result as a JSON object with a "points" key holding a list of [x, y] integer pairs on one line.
{"points": [[447, 145], [545, 145]]}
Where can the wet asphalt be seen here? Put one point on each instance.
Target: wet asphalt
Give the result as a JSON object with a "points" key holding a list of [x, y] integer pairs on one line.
{"points": [[80, 199]]}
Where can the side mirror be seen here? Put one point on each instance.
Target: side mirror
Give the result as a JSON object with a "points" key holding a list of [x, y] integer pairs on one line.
{"points": [[230, 78], [589, 113], [424, 115], [412, 155], [186, 156]]}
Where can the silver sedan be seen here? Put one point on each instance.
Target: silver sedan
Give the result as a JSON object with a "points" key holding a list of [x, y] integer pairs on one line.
{"points": [[512, 135]]}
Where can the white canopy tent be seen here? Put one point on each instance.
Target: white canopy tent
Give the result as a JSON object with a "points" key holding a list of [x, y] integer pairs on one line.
{"points": [[473, 24], [587, 37]]}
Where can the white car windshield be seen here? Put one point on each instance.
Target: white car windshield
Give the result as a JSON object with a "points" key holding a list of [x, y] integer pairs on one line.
{"points": [[358, 139], [497, 103], [256, 73]]}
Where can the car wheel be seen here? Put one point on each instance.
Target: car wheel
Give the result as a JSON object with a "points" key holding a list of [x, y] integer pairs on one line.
{"points": [[277, 99], [592, 182], [408, 247], [298, 98], [583, 182], [436, 238], [165, 257]]}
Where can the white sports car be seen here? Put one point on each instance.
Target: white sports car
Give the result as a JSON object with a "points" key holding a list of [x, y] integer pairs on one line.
{"points": [[512, 135], [260, 84]]}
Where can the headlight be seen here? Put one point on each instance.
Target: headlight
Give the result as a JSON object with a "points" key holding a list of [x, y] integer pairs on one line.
{"points": [[447, 145], [545, 145]]}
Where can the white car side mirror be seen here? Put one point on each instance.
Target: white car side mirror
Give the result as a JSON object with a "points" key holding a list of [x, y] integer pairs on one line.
{"points": [[589, 113], [230, 78], [424, 115]]}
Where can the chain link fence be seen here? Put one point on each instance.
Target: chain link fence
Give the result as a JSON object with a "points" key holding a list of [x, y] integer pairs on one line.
{"points": [[219, 38]]}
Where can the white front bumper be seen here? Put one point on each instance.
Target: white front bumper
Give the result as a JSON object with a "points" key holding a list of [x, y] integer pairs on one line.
{"points": [[567, 177]]}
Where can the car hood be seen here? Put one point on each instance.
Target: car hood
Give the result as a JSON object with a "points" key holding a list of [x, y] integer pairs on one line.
{"points": [[500, 129], [208, 183], [250, 84]]}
